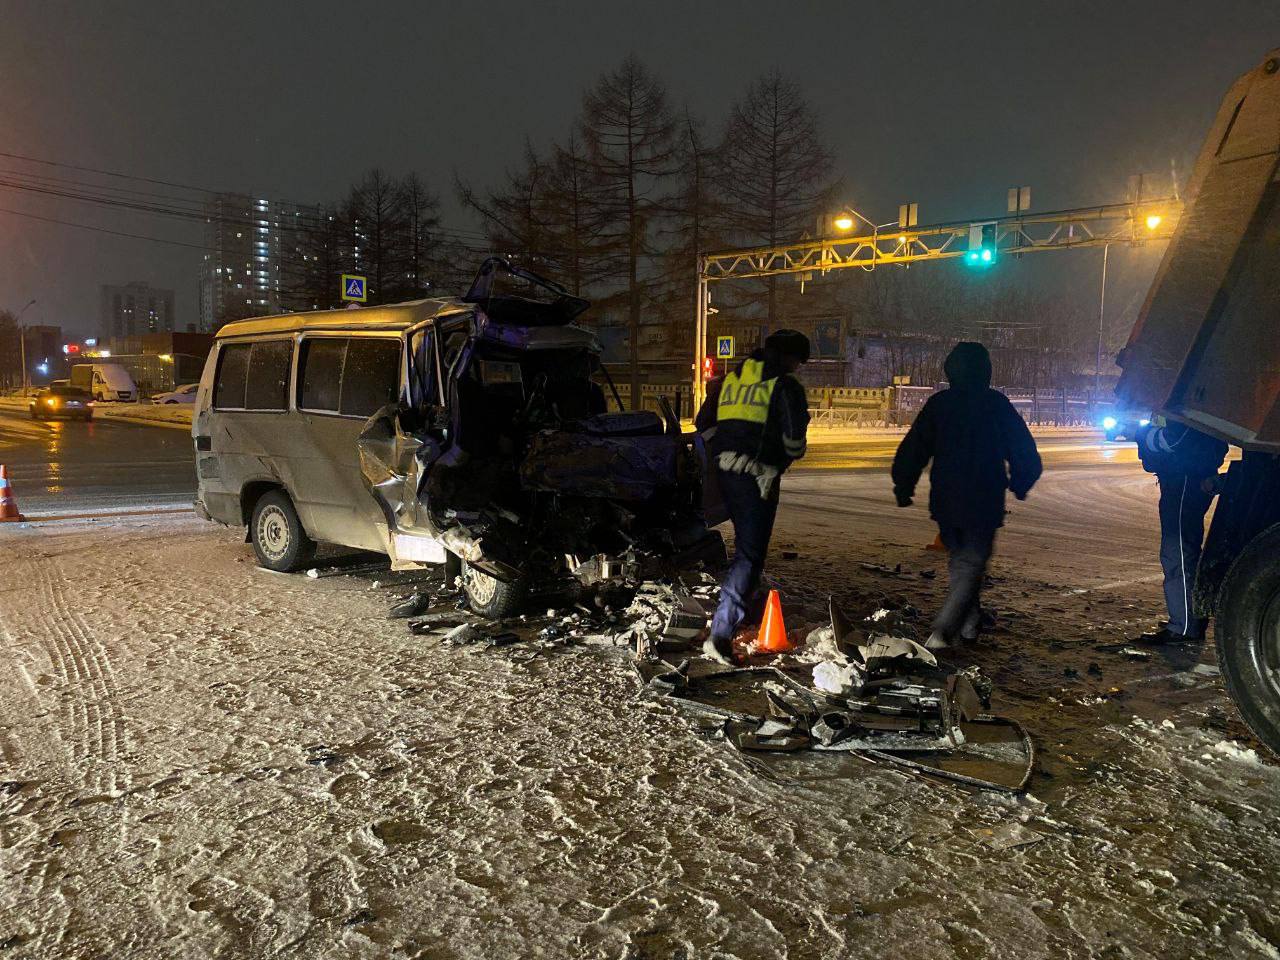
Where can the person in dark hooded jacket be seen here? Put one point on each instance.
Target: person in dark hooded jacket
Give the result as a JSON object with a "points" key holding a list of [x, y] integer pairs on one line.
{"points": [[980, 447]]}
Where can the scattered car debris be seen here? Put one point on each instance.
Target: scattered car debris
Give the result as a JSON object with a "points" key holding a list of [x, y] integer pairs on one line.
{"points": [[346, 567], [436, 620], [464, 633], [886, 700], [1006, 836], [411, 606]]}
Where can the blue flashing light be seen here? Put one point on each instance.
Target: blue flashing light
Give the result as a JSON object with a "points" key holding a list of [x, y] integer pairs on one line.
{"points": [[1109, 423], [1144, 423], [986, 256]]}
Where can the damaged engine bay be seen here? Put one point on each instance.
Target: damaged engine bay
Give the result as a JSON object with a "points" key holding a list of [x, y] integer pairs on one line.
{"points": [[504, 464]]}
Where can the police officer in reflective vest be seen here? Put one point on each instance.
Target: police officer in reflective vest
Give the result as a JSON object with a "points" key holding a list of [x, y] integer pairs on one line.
{"points": [[760, 416]]}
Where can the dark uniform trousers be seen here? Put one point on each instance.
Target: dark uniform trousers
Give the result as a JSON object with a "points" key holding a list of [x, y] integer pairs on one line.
{"points": [[1183, 505], [752, 517]]}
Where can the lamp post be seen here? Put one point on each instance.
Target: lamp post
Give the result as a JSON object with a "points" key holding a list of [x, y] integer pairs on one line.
{"points": [[22, 342], [1152, 220], [1102, 311]]}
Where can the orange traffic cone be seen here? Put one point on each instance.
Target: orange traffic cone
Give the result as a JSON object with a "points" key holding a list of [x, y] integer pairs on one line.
{"points": [[8, 505], [773, 633], [937, 544]]}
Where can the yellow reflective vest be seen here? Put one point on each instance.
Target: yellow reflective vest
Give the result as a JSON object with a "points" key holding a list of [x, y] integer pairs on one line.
{"points": [[745, 394]]}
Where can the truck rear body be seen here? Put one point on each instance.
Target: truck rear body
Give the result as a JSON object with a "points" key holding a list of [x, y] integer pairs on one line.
{"points": [[1206, 347]]}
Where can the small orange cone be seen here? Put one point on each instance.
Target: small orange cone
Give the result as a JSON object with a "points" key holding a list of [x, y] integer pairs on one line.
{"points": [[8, 505], [937, 544], [773, 633]]}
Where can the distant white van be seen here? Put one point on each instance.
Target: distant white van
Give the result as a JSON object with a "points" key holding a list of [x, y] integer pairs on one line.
{"points": [[105, 382]]}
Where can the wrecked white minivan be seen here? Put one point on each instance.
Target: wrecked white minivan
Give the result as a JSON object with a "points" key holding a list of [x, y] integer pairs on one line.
{"points": [[472, 432]]}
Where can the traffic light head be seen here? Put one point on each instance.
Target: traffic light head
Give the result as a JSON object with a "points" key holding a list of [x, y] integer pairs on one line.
{"points": [[982, 245]]}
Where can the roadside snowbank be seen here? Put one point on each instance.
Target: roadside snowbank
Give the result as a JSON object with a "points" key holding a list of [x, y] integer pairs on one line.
{"points": [[172, 415]]}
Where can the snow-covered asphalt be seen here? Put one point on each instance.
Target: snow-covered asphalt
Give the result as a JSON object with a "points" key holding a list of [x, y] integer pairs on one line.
{"points": [[200, 759]]}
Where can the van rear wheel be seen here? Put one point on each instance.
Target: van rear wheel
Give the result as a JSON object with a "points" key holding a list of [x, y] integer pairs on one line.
{"points": [[490, 597], [1248, 636], [277, 535]]}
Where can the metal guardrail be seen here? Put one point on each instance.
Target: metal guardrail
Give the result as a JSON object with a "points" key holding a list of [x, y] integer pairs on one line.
{"points": [[898, 406]]}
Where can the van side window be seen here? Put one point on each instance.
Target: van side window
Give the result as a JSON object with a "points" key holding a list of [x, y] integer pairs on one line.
{"points": [[320, 373], [268, 379], [371, 376], [233, 369]]}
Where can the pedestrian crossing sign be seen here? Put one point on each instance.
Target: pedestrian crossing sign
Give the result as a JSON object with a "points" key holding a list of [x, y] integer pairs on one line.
{"points": [[353, 288], [724, 348]]}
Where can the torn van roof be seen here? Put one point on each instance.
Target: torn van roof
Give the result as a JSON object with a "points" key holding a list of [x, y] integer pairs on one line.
{"points": [[396, 316]]}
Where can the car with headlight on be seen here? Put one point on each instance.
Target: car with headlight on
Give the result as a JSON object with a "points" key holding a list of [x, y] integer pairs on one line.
{"points": [[1121, 426], [61, 401]]}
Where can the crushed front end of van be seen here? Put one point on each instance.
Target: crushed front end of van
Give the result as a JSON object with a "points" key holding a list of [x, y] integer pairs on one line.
{"points": [[503, 455]]}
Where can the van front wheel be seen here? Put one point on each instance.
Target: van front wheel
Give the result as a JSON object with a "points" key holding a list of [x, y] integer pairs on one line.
{"points": [[277, 535], [490, 597]]}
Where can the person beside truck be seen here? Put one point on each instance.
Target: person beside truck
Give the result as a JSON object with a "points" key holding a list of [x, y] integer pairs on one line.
{"points": [[1185, 462]]}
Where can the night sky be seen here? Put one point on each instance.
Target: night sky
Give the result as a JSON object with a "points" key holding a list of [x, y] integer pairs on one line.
{"points": [[947, 104]]}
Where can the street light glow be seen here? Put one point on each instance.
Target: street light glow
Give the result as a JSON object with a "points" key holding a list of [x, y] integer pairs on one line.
{"points": [[1153, 221], [843, 222]]}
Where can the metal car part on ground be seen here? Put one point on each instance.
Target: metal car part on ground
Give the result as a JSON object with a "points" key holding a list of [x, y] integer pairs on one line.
{"points": [[899, 704]]}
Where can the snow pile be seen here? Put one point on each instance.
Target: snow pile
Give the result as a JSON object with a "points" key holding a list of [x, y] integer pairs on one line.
{"points": [[1234, 751], [836, 678]]}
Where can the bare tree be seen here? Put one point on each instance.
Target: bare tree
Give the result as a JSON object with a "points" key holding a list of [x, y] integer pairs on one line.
{"points": [[420, 210], [572, 207], [627, 129], [514, 217], [774, 171], [376, 215], [692, 214]]}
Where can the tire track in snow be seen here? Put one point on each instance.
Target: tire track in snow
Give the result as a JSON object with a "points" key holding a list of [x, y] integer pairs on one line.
{"points": [[109, 721], [91, 707], [72, 711]]}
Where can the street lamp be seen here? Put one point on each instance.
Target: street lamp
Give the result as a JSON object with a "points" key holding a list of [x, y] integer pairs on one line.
{"points": [[844, 221], [1153, 220], [22, 342]]}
